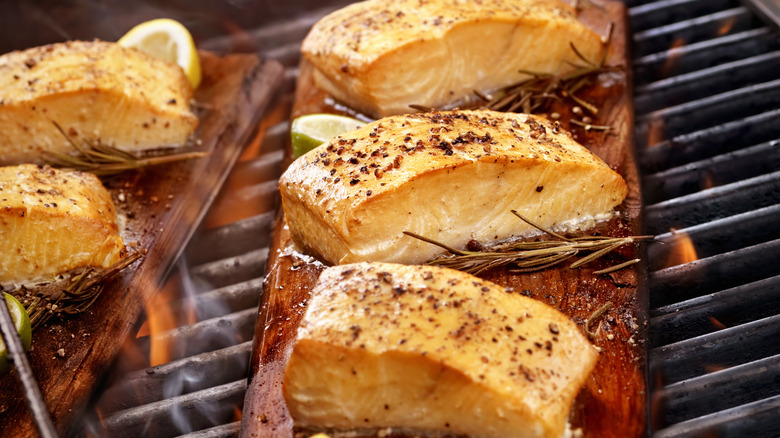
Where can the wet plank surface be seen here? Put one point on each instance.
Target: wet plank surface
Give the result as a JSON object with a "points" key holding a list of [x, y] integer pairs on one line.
{"points": [[613, 401], [163, 206]]}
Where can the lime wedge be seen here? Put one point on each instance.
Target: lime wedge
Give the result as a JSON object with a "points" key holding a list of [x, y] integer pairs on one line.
{"points": [[22, 323], [309, 131], [168, 40]]}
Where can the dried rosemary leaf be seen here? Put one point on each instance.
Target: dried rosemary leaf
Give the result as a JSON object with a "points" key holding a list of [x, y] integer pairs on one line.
{"points": [[533, 256], [104, 160], [81, 292]]}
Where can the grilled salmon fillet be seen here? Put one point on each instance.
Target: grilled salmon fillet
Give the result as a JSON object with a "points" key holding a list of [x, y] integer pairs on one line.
{"points": [[432, 349], [98, 92], [452, 176], [379, 57], [52, 221]]}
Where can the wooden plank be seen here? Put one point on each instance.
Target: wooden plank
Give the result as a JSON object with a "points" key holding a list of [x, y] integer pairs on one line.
{"points": [[613, 400], [163, 205]]}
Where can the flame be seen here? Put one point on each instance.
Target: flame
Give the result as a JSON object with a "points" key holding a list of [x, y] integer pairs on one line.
{"points": [[707, 182], [717, 324], [160, 319], [683, 250], [673, 58], [230, 205], [726, 26], [655, 131], [237, 413]]}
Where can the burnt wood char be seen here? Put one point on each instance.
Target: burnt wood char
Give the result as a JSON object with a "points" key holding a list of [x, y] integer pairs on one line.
{"points": [[164, 205], [613, 401]]}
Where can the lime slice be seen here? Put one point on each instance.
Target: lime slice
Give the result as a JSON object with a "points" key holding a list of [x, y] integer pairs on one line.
{"points": [[309, 131], [168, 40], [22, 323]]}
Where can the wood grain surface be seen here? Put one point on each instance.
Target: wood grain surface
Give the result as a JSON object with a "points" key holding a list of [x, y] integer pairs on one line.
{"points": [[613, 401], [163, 206]]}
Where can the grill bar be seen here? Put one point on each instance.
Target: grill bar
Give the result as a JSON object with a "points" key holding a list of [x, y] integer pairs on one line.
{"points": [[700, 83], [753, 419], [714, 273], [189, 412], [693, 57], [720, 390], [719, 139], [691, 31], [713, 351], [708, 313], [714, 203], [716, 171]]}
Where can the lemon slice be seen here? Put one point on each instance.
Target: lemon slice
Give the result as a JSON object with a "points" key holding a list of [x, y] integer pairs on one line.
{"points": [[309, 131], [168, 40], [22, 323]]}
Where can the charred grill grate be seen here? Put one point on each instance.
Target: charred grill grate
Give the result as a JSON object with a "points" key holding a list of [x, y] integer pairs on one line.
{"points": [[707, 104], [707, 96]]}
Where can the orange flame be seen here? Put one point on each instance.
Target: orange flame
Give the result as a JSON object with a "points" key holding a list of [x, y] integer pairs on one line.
{"points": [[160, 318], [683, 250], [717, 324], [726, 26], [674, 56], [655, 131], [237, 412], [707, 182]]}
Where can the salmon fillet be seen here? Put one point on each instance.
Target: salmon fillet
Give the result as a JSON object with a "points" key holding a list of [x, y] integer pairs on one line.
{"points": [[432, 349], [98, 92], [52, 221], [452, 176], [379, 57]]}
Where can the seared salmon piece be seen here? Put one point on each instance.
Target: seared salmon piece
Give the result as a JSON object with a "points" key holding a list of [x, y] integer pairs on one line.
{"points": [[451, 176], [429, 349], [98, 92], [53, 221], [379, 57]]}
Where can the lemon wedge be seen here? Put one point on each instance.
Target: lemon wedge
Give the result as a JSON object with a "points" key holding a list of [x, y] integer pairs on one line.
{"points": [[309, 131], [168, 40], [22, 323]]}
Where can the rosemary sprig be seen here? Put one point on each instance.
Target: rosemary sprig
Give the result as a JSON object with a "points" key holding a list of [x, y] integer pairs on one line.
{"points": [[595, 316], [79, 295], [533, 256], [103, 160], [537, 93]]}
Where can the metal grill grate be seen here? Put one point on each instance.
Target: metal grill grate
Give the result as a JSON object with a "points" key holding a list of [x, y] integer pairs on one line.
{"points": [[707, 105], [707, 100]]}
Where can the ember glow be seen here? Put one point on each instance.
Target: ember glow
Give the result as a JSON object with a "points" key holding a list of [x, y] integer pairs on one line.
{"points": [[726, 26], [673, 57], [682, 251], [160, 319]]}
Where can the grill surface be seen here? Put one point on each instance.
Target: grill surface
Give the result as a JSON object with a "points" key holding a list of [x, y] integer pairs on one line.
{"points": [[707, 105], [707, 101]]}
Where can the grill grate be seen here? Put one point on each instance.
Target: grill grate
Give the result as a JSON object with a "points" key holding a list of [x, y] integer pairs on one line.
{"points": [[706, 109], [707, 101]]}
